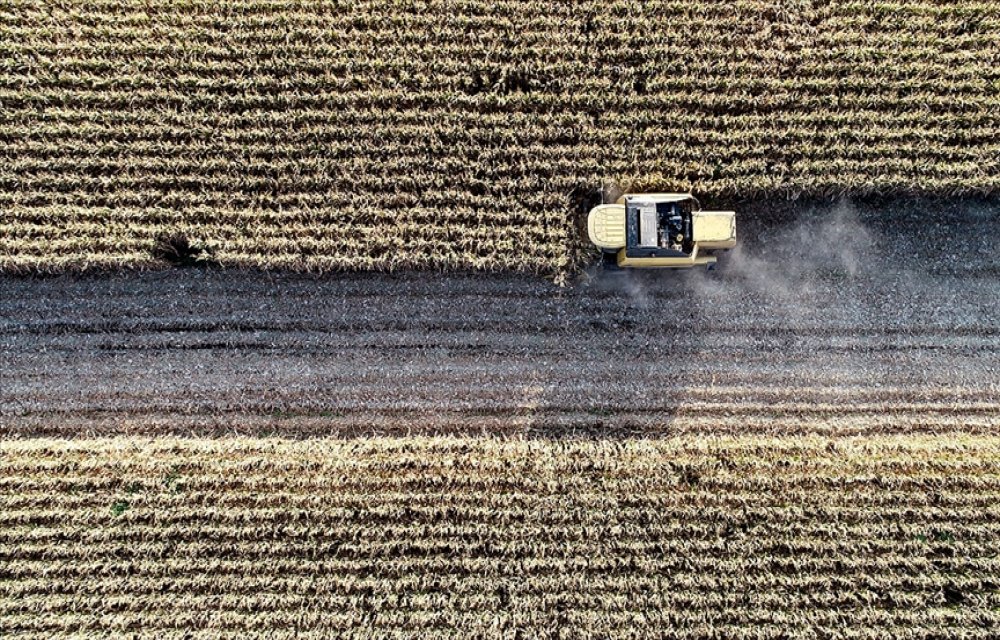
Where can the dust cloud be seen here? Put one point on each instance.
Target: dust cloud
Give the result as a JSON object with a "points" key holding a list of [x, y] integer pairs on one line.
{"points": [[789, 263]]}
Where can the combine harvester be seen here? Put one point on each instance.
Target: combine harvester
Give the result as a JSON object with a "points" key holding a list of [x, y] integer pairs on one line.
{"points": [[660, 230]]}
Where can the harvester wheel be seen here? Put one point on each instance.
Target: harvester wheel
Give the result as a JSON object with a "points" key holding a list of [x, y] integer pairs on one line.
{"points": [[609, 260]]}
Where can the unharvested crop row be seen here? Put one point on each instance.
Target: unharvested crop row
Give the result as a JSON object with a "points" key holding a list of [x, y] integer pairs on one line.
{"points": [[748, 536], [462, 116]]}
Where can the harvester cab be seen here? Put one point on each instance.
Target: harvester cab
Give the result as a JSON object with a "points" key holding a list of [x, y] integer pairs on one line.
{"points": [[665, 230]]}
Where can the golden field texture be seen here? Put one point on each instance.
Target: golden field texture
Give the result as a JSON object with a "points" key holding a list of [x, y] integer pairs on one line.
{"points": [[873, 537], [461, 134]]}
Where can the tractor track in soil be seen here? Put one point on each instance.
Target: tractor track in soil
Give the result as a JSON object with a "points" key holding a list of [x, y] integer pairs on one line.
{"points": [[839, 320]]}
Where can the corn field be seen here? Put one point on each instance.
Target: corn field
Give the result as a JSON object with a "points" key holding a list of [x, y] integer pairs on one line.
{"points": [[461, 134], [890, 536]]}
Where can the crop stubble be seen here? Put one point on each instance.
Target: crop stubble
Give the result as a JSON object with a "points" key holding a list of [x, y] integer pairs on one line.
{"points": [[457, 134]]}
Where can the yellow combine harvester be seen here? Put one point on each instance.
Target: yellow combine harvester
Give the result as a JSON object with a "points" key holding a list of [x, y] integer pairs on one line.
{"points": [[660, 230]]}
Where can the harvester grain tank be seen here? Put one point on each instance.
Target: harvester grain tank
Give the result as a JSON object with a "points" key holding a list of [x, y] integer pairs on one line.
{"points": [[665, 230]]}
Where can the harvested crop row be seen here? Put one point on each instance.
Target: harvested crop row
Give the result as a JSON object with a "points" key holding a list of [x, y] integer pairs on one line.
{"points": [[746, 536], [460, 134]]}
